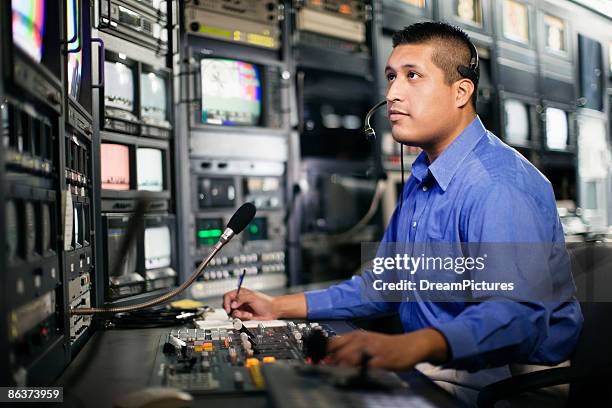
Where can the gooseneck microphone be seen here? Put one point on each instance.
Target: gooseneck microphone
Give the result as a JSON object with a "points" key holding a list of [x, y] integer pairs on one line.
{"points": [[370, 133], [241, 218]]}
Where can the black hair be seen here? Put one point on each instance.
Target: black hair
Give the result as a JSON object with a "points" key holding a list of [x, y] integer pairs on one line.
{"points": [[455, 54]]}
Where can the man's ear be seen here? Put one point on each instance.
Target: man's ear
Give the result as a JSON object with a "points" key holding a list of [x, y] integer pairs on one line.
{"points": [[464, 88]]}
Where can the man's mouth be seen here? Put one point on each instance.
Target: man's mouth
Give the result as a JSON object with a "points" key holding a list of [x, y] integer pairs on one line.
{"points": [[395, 114]]}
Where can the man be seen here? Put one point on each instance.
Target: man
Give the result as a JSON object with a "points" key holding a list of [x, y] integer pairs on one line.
{"points": [[466, 186]]}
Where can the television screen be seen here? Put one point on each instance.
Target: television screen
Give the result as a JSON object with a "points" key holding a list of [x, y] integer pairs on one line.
{"points": [[231, 92], [117, 232], [516, 122], [74, 57], [149, 169], [152, 96], [28, 26], [516, 21], [119, 86], [157, 247], [556, 129], [115, 166]]}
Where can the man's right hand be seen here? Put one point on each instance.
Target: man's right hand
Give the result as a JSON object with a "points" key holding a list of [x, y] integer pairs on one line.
{"points": [[249, 305], [253, 305]]}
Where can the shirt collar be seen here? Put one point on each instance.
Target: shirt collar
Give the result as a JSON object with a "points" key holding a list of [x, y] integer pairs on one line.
{"points": [[446, 165]]}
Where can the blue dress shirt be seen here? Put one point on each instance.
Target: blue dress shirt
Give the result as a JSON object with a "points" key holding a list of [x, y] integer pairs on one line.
{"points": [[478, 190]]}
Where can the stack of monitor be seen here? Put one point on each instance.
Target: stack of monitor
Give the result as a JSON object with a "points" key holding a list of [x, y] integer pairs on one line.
{"points": [[136, 147], [238, 139], [33, 330]]}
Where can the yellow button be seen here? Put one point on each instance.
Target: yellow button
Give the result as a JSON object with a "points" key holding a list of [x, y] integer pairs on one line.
{"points": [[197, 349], [251, 362], [269, 359]]}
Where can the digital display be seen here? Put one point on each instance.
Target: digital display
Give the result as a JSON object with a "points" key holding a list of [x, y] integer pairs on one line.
{"points": [[118, 86], [208, 231], [115, 166], [516, 21], [516, 122], [28, 26], [149, 169], [157, 247], [74, 60], [557, 131], [231, 92], [153, 96]]}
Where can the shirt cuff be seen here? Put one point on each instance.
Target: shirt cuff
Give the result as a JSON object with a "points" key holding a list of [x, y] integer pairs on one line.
{"points": [[318, 304], [459, 337]]}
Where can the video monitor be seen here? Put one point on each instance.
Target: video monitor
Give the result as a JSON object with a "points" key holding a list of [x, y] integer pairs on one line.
{"points": [[157, 247], [74, 58], [231, 92], [116, 234], [118, 86], [115, 166], [516, 122], [557, 131], [516, 21], [149, 169], [28, 26], [153, 97]]}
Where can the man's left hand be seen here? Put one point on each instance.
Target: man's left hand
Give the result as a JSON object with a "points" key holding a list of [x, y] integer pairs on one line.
{"points": [[393, 352]]}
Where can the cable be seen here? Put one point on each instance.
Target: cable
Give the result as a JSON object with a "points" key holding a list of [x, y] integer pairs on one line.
{"points": [[162, 298], [362, 223]]}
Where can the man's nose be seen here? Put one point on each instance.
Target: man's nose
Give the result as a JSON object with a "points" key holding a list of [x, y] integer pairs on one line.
{"points": [[394, 92]]}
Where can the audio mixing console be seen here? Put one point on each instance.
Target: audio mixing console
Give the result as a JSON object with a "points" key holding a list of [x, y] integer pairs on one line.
{"points": [[227, 357]]}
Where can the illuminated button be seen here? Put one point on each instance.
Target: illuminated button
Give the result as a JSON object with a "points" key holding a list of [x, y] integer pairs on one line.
{"points": [[269, 360], [208, 346], [414, 224], [197, 349], [251, 362], [424, 188]]}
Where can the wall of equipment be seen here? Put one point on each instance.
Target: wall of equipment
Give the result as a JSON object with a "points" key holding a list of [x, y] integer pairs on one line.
{"points": [[83, 136], [155, 120]]}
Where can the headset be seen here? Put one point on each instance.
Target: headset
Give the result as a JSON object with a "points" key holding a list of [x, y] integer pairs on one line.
{"points": [[471, 72]]}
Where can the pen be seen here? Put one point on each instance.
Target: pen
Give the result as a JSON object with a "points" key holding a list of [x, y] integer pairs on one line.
{"points": [[240, 280]]}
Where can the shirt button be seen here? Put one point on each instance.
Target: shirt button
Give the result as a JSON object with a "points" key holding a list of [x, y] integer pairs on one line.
{"points": [[424, 188], [414, 224]]}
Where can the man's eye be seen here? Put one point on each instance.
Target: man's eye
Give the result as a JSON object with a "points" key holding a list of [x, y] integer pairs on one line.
{"points": [[412, 75], [390, 77]]}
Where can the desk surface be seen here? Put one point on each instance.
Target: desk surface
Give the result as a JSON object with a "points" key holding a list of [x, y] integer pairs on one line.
{"points": [[116, 362]]}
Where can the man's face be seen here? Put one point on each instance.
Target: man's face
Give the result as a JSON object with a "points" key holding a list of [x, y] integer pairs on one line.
{"points": [[420, 104]]}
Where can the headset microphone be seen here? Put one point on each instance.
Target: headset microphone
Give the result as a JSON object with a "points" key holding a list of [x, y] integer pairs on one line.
{"points": [[367, 129]]}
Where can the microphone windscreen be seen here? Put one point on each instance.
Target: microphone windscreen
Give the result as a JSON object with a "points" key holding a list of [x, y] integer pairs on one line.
{"points": [[242, 217]]}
